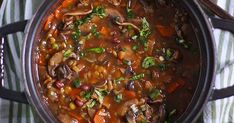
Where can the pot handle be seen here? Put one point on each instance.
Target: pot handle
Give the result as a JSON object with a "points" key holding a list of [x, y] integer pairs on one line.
{"points": [[228, 25], [4, 92]]}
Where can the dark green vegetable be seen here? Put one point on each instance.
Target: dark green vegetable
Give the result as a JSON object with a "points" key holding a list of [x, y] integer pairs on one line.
{"points": [[76, 35], [87, 95], [67, 53], [95, 32], [148, 62], [96, 50], [144, 33], [130, 13], [118, 98], [154, 93], [76, 83], [137, 76]]}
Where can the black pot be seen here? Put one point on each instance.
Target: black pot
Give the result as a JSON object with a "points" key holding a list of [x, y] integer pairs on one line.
{"points": [[205, 89]]}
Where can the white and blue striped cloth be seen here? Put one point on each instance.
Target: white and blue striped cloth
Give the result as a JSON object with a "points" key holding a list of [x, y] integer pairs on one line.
{"points": [[220, 111]]}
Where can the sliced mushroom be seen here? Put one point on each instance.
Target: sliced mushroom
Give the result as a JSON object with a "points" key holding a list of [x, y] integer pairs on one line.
{"points": [[115, 14], [124, 108], [127, 24], [79, 12], [56, 60]]}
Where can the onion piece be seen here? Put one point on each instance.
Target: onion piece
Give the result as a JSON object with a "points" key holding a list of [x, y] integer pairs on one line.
{"points": [[127, 24], [79, 13]]}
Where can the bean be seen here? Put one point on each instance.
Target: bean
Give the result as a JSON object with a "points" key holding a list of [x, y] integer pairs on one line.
{"points": [[79, 102], [85, 87], [59, 84]]}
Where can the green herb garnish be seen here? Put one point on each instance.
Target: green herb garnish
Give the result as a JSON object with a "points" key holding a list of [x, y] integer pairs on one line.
{"points": [[76, 83], [95, 32], [96, 50], [168, 54], [87, 95], [148, 62], [67, 53], [144, 33], [127, 62], [99, 11], [82, 54], [101, 93], [119, 79], [118, 97], [137, 76], [130, 13], [154, 94], [135, 47], [76, 35]]}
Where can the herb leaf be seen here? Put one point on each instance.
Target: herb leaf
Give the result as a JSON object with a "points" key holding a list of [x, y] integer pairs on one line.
{"points": [[96, 50], [144, 32], [148, 62], [101, 93], [118, 97], [130, 13], [67, 53], [154, 94], [95, 32], [119, 79], [76, 83], [137, 76], [99, 11]]}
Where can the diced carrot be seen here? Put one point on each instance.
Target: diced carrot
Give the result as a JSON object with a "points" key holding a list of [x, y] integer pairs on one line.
{"points": [[165, 31], [48, 22], [98, 118], [76, 116], [129, 94], [57, 13], [107, 101], [67, 3], [74, 93], [104, 31], [172, 87]]}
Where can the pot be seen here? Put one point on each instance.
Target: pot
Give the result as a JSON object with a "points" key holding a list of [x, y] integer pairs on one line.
{"points": [[202, 23]]}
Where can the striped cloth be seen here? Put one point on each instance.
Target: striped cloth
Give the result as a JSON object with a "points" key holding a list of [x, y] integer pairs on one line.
{"points": [[220, 111]]}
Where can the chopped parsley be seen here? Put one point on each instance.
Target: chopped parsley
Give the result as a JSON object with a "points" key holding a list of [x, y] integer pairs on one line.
{"points": [[119, 79], [144, 33], [96, 50], [95, 32], [154, 94], [137, 76], [67, 53], [148, 62], [76, 83], [130, 13], [118, 98]]}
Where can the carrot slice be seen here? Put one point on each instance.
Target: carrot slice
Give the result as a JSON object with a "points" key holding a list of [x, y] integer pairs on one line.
{"points": [[67, 3], [107, 102], [104, 31], [57, 13], [165, 31], [129, 94], [97, 118]]}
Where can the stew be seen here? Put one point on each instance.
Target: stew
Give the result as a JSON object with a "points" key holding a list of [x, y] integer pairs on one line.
{"points": [[114, 61]]}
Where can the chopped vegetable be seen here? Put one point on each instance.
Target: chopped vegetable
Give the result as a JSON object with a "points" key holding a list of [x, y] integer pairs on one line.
{"points": [[135, 47], [76, 35], [168, 54], [127, 62], [87, 95], [148, 62], [91, 103], [154, 94], [76, 83], [144, 32], [98, 118], [130, 13], [67, 53], [119, 79], [95, 32], [99, 11], [82, 54], [118, 97], [101, 93], [96, 50], [137, 76]]}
